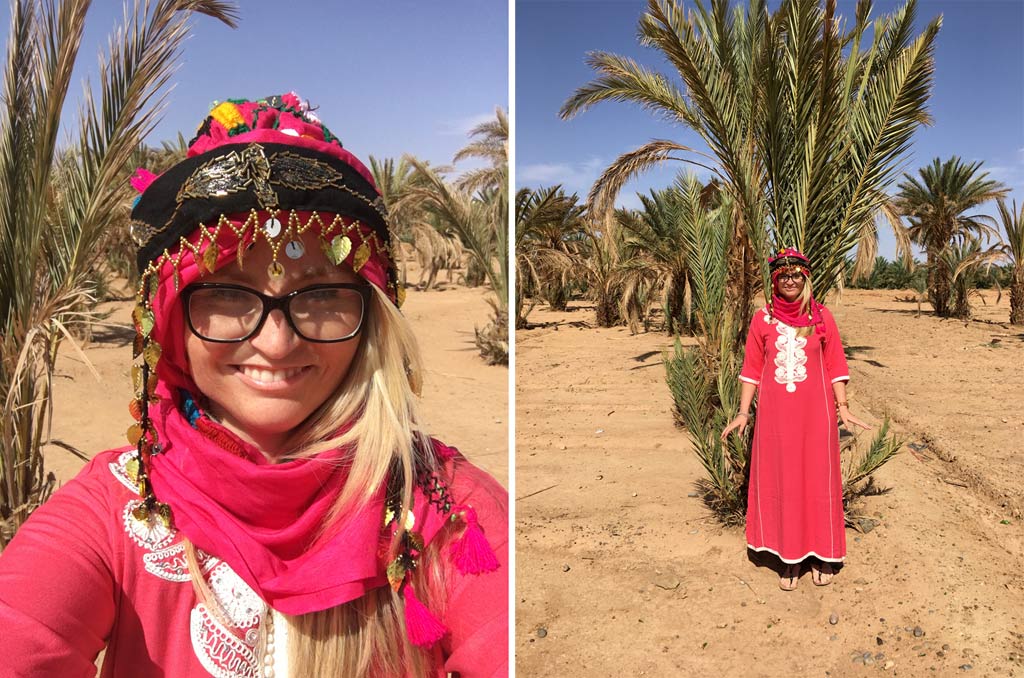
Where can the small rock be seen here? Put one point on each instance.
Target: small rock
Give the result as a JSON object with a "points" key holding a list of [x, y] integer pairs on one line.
{"points": [[966, 667], [868, 661], [866, 524], [940, 654], [694, 531], [879, 641], [599, 431], [634, 494], [945, 646], [859, 659], [565, 568], [918, 632], [833, 619], [879, 656], [600, 477], [542, 632], [692, 494], [889, 664]]}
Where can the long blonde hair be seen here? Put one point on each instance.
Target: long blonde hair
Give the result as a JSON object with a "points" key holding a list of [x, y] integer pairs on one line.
{"points": [[366, 638], [806, 294]]}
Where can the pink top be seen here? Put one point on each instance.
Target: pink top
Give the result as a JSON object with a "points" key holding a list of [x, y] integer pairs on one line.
{"points": [[82, 575]]}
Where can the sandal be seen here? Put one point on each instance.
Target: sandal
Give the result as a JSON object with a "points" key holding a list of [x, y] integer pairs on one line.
{"points": [[822, 574], [789, 577]]}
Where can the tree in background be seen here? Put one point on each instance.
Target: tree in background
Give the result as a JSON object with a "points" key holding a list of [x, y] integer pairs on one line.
{"points": [[936, 207], [548, 245], [56, 207], [1013, 249], [475, 207]]}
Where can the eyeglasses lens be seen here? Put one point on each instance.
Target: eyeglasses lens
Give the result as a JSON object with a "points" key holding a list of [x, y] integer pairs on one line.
{"points": [[227, 314], [327, 314]]}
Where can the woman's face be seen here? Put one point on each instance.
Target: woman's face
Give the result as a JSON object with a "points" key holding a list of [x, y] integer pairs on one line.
{"points": [[264, 387], [790, 285]]}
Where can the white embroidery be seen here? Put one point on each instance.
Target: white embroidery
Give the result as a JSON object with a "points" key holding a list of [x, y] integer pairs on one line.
{"points": [[238, 601], [790, 360], [220, 652], [170, 563], [149, 534], [120, 470]]}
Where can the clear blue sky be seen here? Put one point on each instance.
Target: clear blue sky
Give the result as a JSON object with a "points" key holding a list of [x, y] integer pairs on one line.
{"points": [[389, 77], [977, 101]]}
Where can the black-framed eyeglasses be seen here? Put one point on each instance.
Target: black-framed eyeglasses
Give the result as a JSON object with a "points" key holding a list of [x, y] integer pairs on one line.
{"points": [[791, 277], [226, 313]]}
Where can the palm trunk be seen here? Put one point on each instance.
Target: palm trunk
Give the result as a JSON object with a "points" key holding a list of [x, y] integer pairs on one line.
{"points": [[1017, 296], [939, 285]]}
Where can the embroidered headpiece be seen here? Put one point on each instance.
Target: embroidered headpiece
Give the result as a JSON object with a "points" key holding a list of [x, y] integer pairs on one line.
{"points": [[788, 260]]}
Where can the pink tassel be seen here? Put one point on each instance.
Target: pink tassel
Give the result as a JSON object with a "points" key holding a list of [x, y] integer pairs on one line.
{"points": [[142, 179], [422, 627], [471, 553]]}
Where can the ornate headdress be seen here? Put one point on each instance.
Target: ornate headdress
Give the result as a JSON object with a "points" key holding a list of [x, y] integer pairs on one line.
{"points": [[788, 260]]}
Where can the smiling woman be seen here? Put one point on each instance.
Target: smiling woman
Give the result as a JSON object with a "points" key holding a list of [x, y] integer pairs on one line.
{"points": [[280, 510]]}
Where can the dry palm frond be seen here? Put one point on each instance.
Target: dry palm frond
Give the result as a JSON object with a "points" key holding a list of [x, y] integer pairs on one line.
{"points": [[55, 207]]}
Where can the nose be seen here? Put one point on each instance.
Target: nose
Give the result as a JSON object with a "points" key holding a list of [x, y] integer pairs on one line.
{"points": [[276, 339]]}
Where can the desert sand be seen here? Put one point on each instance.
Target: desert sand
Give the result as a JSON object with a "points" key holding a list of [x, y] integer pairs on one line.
{"points": [[620, 573], [464, 403]]}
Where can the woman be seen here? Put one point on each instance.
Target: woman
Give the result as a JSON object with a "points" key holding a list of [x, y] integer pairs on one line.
{"points": [[280, 511], [794, 359]]}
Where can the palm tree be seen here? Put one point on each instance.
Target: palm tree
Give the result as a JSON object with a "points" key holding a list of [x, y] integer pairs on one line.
{"points": [[1013, 249], [936, 207], [806, 126], [968, 264], [548, 246], [476, 208], [55, 207], [435, 245]]}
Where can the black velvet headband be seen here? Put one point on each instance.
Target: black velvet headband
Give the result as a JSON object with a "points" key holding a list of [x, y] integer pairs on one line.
{"points": [[238, 178]]}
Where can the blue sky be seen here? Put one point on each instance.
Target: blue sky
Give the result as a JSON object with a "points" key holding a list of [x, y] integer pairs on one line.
{"points": [[389, 77], [977, 101]]}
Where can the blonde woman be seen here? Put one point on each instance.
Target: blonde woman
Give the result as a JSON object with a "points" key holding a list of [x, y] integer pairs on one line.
{"points": [[280, 511], [794, 361]]}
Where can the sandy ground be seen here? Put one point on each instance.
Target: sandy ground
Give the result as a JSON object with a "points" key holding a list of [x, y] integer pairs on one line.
{"points": [[465, 402], [620, 573]]}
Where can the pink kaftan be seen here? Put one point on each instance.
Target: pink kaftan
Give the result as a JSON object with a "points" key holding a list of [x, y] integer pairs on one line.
{"points": [[83, 575], [795, 498]]}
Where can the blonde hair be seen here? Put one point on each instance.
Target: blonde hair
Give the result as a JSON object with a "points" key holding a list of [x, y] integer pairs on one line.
{"points": [[366, 638], [805, 306]]}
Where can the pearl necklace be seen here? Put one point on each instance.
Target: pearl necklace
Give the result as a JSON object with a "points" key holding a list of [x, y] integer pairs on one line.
{"points": [[268, 655]]}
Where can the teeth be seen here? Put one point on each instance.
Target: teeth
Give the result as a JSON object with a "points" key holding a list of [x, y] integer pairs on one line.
{"points": [[269, 376]]}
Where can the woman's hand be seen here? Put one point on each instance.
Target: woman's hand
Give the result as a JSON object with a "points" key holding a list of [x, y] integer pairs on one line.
{"points": [[849, 421], [739, 422]]}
